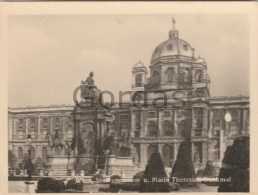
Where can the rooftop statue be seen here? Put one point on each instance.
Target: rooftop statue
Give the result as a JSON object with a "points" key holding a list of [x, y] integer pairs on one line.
{"points": [[88, 88], [90, 81]]}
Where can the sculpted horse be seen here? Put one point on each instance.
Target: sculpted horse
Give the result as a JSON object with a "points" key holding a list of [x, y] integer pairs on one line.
{"points": [[56, 141]]}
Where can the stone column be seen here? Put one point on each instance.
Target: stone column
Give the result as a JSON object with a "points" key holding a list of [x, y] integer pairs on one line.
{"points": [[10, 128], [192, 146], [175, 151], [210, 123], [244, 126], [38, 132], [205, 122], [132, 124], [143, 153], [14, 127], [175, 122], [159, 123], [50, 125], [142, 124], [97, 129], [226, 124], [63, 125], [38, 151], [239, 121], [76, 134], [204, 153], [160, 146], [101, 132], [193, 126], [26, 126]]}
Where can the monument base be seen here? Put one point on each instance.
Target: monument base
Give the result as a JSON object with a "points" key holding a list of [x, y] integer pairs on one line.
{"points": [[60, 165], [122, 166]]}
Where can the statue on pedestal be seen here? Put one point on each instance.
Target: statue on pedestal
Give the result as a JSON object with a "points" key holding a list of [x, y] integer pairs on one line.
{"points": [[57, 142], [88, 88]]}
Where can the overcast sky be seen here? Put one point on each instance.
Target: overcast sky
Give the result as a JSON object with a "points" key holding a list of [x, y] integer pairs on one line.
{"points": [[49, 55]]}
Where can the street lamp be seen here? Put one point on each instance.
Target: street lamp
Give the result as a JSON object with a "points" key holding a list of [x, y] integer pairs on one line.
{"points": [[28, 164], [106, 152], [223, 144]]}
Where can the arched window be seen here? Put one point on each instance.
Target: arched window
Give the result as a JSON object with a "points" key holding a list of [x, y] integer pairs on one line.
{"points": [[167, 155], [183, 128], [186, 76], [32, 153], [32, 132], [234, 125], [44, 153], [20, 153], [198, 76], [168, 129], [234, 130], [248, 123], [217, 121], [70, 132], [150, 150], [139, 80], [216, 128], [44, 132], [170, 75], [152, 129], [234, 114], [20, 133], [44, 120], [155, 76]]}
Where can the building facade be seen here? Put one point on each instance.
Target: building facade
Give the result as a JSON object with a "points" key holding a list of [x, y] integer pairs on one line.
{"points": [[170, 103]]}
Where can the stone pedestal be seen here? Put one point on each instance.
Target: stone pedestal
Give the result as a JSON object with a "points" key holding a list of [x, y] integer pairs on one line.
{"points": [[41, 173], [59, 165], [121, 166]]}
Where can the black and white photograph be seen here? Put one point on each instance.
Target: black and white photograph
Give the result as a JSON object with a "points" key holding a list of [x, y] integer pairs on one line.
{"points": [[128, 102]]}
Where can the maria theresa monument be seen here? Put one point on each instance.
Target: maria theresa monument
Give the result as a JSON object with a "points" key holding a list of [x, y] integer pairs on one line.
{"points": [[170, 102]]}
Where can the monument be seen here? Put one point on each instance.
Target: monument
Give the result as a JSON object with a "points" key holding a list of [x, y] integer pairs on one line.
{"points": [[94, 145]]}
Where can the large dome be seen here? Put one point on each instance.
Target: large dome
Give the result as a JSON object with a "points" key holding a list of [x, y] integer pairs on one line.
{"points": [[173, 46]]}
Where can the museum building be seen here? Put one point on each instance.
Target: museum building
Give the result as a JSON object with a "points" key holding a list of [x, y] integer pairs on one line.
{"points": [[173, 105]]}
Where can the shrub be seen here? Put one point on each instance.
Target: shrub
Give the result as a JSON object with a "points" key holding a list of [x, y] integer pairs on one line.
{"points": [[209, 169], [154, 178], [200, 172], [184, 167], [115, 178], [59, 186], [138, 176], [235, 165], [72, 184], [174, 186], [12, 160], [50, 184]]}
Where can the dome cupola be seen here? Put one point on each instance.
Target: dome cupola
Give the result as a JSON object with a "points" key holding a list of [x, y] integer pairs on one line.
{"points": [[173, 46]]}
